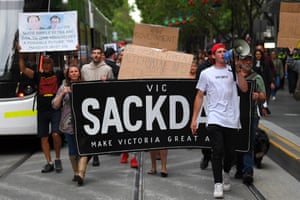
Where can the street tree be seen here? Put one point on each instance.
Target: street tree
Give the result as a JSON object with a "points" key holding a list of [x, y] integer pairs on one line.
{"points": [[203, 20]]}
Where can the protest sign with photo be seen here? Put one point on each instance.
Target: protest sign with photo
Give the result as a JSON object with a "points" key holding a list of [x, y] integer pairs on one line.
{"points": [[48, 31]]}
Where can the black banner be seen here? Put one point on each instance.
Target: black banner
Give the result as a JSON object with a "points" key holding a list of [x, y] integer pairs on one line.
{"points": [[136, 115]]}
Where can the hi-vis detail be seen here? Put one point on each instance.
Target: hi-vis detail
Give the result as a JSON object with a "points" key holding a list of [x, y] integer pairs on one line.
{"points": [[116, 116]]}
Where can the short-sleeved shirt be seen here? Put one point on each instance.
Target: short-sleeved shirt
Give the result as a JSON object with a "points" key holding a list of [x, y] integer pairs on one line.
{"points": [[260, 86], [222, 101]]}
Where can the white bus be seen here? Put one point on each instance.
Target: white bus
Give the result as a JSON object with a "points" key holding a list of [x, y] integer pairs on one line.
{"points": [[17, 112], [17, 93]]}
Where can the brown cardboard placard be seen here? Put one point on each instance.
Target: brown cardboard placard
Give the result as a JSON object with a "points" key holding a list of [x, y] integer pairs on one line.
{"points": [[156, 36], [141, 62], [289, 25]]}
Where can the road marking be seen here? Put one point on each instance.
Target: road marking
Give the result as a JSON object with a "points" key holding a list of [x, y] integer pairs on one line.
{"points": [[289, 153], [291, 114], [283, 140]]}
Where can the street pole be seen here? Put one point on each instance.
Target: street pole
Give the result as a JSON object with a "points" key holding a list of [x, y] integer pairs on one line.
{"points": [[91, 17]]}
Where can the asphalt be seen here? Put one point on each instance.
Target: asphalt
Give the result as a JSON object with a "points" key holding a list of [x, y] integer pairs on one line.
{"points": [[186, 181]]}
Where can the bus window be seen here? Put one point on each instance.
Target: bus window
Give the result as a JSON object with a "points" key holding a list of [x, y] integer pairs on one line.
{"points": [[26, 86]]}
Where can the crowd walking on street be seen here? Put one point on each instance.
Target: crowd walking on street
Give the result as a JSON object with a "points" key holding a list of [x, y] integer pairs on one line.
{"points": [[215, 79]]}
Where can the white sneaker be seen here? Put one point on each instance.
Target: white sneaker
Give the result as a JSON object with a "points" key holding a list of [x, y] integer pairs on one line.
{"points": [[226, 182], [218, 191], [273, 98]]}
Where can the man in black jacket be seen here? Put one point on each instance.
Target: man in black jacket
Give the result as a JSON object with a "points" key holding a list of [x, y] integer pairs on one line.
{"points": [[110, 60]]}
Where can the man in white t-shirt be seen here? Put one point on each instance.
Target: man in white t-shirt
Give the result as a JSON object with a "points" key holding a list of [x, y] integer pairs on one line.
{"points": [[223, 113]]}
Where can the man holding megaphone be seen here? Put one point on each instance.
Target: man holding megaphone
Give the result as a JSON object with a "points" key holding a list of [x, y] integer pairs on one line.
{"points": [[223, 113]]}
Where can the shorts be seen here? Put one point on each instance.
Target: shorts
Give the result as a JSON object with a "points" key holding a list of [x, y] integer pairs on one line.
{"points": [[46, 118]]}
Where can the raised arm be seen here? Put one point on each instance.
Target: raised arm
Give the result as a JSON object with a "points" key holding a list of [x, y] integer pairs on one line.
{"points": [[25, 70], [57, 101], [242, 83]]}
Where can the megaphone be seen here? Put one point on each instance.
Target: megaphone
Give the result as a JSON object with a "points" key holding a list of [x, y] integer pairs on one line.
{"points": [[240, 48]]}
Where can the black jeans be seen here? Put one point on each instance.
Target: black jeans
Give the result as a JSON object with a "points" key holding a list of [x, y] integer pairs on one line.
{"points": [[222, 150]]}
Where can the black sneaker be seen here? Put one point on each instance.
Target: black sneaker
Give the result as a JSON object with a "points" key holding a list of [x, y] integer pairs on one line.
{"points": [[204, 163], [79, 181], [248, 178], [48, 168], [238, 175], [96, 161], [58, 165], [75, 178]]}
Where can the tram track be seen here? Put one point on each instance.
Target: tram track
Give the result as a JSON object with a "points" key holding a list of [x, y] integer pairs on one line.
{"points": [[139, 185], [256, 193], [15, 151], [15, 165]]}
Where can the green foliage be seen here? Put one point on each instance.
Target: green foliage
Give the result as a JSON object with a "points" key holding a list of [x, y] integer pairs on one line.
{"points": [[108, 7], [122, 22], [118, 12], [210, 18]]}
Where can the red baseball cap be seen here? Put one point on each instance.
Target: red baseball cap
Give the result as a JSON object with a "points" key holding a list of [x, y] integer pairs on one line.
{"points": [[216, 47]]}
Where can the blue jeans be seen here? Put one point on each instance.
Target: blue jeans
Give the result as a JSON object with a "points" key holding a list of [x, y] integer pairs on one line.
{"points": [[71, 144], [245, 160], [277, 86]]}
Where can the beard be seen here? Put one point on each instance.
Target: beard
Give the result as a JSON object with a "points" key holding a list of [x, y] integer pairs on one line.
{"points": [[246, 67]]}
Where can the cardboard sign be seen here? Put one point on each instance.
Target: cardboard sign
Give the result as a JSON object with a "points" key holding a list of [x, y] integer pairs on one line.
{"points": [[141, 115], [156, 36], [289, 25], [148, 63]]}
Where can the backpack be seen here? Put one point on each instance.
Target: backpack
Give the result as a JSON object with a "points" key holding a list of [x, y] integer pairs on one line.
{"points": [[261, 146]]}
